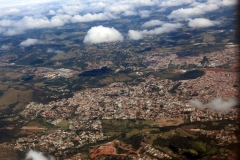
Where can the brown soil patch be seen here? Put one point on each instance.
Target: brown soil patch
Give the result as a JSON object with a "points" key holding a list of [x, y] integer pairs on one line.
{"points": [[169, 121], [106, 149]]}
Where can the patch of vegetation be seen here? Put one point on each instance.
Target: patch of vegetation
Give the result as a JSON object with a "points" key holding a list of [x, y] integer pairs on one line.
{"points": [[161, 142], [37, 61], [224, 66], [173, 90], [27, 78], [186, 54], [96, 72], [135, 141], [64, 124], [189, 75], [1, 93]]}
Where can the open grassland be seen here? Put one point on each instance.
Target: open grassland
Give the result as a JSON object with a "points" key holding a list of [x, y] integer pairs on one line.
{"points": [[122, 78], [16, 98], [39, 84], [167, 134], [106, 80], [35, 123], [64, 124], [131, 127], [10, 73], [3, 86], [182, 133], [67, 55]]}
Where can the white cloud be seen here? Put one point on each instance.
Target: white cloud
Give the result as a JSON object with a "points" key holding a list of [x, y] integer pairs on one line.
{"points": [[199, 8], [196, 103], [170, 3], [202, 23], [130, 13], [142, 3], [100, 34], [92, 17], [229, 2], [206, 7], [145, 13], [34, 155], [118, 8], [4, 47], [2, 30], [10, 11], [135, 35], [19, 26], [29, 42], [17, 3], [217, 104], [165, 28], [152, 23], [17, 16], [220, 105], [50, 50], [184, 13], [52, 12], [6, 23]]}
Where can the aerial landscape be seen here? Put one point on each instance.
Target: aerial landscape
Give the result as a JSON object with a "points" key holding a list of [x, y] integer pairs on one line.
{"points": [[119, 79]]}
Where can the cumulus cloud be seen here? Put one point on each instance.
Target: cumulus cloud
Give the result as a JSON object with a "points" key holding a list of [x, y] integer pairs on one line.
{"points": [[145, 13], [92, 17], [13, 27], [202, 23], [130, 13], [34, 155], [28, 22], [152, 23], [170, 3], [100, 34], [52, 12], [229, 2], [165, 28], [13, 31], [17, 3], [197, 8], [206, 7], [135, 35], [29, 42], [50, 50], [4, 47], [40, 14], [184, 13], [141, 3], [2, 30], [217, 104], [118, 8], [11, 11]]}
